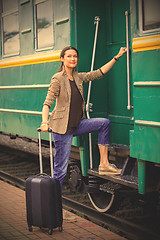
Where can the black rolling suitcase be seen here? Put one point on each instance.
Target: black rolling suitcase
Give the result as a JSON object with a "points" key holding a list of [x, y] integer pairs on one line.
{"points": [[43, 197]]}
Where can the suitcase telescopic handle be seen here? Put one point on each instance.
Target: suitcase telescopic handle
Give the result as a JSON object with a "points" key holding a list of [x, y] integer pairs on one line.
{"points": [[40, 151]]}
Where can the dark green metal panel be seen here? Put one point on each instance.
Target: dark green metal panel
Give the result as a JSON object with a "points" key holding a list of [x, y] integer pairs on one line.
{"points": [[73, 34], [119, 130], [147, 103], [145, 139], [9, 76], [145, 142], [141, 176], [145, 65], [22, 124], [24, 99], [85, 33]]}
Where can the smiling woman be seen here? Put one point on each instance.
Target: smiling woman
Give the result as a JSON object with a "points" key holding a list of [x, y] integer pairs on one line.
{"points": [[68, 119], [69, 57]]}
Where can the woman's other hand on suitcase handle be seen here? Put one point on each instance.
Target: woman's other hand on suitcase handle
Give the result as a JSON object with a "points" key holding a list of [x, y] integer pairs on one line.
{"points": [[44, 127]]}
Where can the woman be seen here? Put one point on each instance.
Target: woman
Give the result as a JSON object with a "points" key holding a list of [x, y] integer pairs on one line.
{"points": [[68, 119]]}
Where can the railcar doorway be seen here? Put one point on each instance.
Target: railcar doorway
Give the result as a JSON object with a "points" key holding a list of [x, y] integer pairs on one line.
{"points": [[119, 100]]}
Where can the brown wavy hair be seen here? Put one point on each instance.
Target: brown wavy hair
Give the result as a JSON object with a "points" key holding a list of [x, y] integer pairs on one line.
{"points": [[63, 53]]}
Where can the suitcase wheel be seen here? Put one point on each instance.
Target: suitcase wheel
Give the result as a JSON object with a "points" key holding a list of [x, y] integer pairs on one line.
{"points": [[30, 228], [50, 231], [60, 228]]}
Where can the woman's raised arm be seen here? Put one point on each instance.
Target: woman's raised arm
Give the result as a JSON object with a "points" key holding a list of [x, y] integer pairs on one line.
{"points": [[105, 68]]}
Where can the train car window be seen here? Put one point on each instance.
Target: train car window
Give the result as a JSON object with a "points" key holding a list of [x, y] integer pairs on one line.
{"points": [[149, 15], [43, 24], [10, 27], [9, 5]]}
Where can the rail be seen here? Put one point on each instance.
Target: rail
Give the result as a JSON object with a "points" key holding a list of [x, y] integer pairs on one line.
{"points": [[131, 230], [128, 229]]}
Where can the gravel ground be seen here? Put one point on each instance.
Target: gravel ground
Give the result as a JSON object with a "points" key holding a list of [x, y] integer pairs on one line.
{"points": [[22, 143]]}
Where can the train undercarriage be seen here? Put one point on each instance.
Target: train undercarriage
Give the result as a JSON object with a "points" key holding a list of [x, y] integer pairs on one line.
{"points": [[105, 191]]}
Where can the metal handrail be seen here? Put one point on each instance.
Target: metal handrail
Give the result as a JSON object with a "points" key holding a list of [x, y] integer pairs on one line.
{"points": [[89, 105], [129, 107]]}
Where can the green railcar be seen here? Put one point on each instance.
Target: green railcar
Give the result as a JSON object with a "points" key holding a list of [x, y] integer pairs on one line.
{"points": [[32, 35]]}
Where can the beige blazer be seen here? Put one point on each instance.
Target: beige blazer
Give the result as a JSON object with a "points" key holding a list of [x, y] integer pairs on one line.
{"points": [[60, 91]]}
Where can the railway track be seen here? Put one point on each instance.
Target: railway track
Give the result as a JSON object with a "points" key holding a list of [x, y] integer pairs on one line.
{"points": [[17, 165]]}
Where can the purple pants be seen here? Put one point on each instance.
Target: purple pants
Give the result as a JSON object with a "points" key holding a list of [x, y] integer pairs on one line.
{"points": [[63, 142]]}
